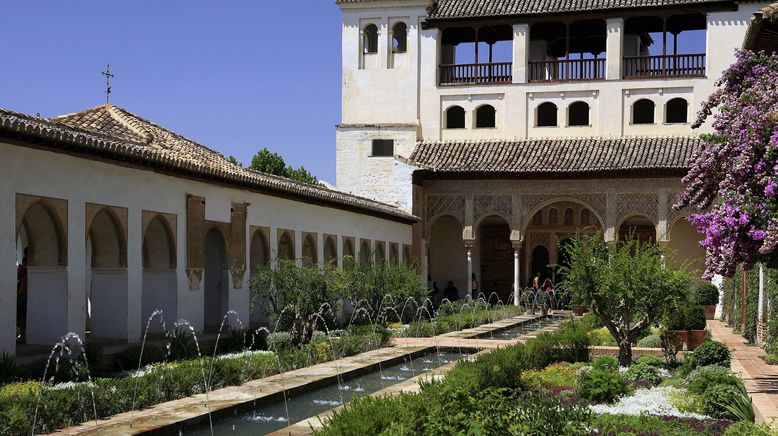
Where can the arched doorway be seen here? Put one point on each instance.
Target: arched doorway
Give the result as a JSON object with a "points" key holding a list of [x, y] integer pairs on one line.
{"points": [[496, 256], [216, 279], [394, 255], [41, 248], [159, 273], [349, 256], [310, 257], [447, 255], [106, 277], [380, 253], [640, 226], [540, 261], [259, 256], [330, 250], [684, 243]]}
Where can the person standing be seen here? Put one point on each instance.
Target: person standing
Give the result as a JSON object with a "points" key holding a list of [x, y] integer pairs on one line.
{"points": [[21, 300], [474, 285], [536, 282]]}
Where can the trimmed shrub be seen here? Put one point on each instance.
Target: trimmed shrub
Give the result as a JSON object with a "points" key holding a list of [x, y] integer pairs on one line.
{"points": [[128, 359], [606, 363], [601, 386], [650, 360], [706, 294], [686, 401], [711, 353], [8, 370], [650, 341], [695, 317], [716, 398], [554, 375], [745, 428], [703, 378], [602, 337], [182, 345], [644, 372], [607, 424], [569, 344], [279, 341]]}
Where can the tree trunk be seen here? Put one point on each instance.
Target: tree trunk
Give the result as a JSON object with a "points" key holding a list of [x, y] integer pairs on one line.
{"points": [[625, 353]]}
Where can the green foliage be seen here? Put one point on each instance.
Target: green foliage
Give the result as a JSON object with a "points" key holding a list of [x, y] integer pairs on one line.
{"points": [[686, 401], [233, 160], [711, 353], [71, 405], [675, 317], [745, 428], [650, 360], [628, 284], [717, 398], [182, 345], [695, 317], [568, 344], [269, 162], [279, 341], [706, 294], [554, 375], [740, 407], [601, 386], [602, 337], [606, 363], [8, 369], [458, 320], [644, 372], [704, 378], [650, 341], [732, 302], [128, 359], [607, 424], [541, 414], [497, 369]]}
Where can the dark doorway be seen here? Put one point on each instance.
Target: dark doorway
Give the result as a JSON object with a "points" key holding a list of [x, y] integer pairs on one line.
{"points": [[496, 257]]}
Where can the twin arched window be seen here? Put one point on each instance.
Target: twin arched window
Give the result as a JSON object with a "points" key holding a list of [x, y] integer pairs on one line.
{"points": [[577, 114], [676, 111], [485, 117], [370, 39], [399, 38]]}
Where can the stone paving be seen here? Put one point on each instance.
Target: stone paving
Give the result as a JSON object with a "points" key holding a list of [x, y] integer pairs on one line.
{"points": [[760, 379]]}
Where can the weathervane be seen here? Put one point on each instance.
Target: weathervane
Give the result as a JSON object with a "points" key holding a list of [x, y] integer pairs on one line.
{"points": [[108, 76]]}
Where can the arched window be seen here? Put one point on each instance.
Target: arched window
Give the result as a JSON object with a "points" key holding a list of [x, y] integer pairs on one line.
{"points": [[643, 112], [569, 219], [310, 257], [546, 116], [400, 38], [330, 250], [585, 217], [159, 250], [578, 114], [370, 39], [553, 216], [380, 253], [677, 111], [286, 246], [455, 117], [485, 117]]}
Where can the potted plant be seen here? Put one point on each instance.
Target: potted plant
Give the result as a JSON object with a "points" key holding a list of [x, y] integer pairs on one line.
{"points": [[543, 301], [676, 324], [707, 295], [695, 323]]}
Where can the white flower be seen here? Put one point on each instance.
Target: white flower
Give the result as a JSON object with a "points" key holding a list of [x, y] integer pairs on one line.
{"points": [[71, 385], [240, 354], [652, 401]]}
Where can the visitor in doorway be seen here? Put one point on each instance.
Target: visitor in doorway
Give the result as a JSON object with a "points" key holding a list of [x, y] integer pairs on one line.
{"points": [[432, 289], [451, 292], [21, 300], [548, 286], [474, 285], [536, 281]]}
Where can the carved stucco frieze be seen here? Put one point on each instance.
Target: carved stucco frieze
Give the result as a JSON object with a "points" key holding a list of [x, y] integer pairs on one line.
{"points": [[453, 205], [539, 238], [485, 205], [637, 203], [596, 201]]}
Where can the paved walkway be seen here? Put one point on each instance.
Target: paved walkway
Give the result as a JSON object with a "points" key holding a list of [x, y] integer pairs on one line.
{"points": [[760, 379]]}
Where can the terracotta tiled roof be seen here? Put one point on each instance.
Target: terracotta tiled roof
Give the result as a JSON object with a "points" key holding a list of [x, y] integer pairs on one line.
{"points": [[544, 157], [445, 9], [770, 12], [112, 133]]}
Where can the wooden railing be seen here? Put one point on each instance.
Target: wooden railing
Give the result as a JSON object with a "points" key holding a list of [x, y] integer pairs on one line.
{"points": [[563, 70], [469, 74], [649, 67]]}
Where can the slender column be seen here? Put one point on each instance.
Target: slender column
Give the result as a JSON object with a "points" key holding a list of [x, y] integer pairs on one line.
{"points": [[761, 317], [469, 269], [614, 48], [516, 275], [520, 53]]}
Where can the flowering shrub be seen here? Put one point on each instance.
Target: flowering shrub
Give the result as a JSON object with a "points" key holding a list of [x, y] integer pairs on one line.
{"points": [[601, 386], [737, 165], [654, 401], [554, 375]]}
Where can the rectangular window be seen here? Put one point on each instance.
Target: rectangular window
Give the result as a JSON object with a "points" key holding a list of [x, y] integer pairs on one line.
{"points": [[383, 147]]}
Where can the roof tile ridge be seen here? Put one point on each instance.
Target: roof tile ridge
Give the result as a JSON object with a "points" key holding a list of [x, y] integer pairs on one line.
{"points": [[132, 123], [70, 114]]}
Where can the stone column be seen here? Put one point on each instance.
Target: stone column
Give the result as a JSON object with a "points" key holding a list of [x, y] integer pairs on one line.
{"points": [[469, 268], [761, 320], [614, 48], [520, 52], [662, 212], [8, 270], [610, 217], [516, 271], [76, 266], [134, 274]]}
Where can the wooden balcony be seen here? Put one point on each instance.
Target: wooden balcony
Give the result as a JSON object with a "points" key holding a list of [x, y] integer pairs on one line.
{"points": [[566, 70], [476, 74], [653, 67]]}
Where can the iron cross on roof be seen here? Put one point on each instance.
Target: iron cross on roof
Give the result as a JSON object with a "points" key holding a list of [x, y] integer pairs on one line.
{"points": [[108, 76]]}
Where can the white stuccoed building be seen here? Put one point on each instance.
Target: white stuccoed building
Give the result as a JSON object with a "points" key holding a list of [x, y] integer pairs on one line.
{"points": [[509, 125]]}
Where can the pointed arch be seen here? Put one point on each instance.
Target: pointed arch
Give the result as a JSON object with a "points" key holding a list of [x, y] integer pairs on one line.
{"points": [[330, 249], [285, 249], [309, 252], [159, 248]]}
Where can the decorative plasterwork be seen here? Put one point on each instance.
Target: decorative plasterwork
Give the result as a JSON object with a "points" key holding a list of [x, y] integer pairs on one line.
{"points": [[595, 201], [673, 214], [539, 238], [485, 205], [637, 203], [453, 205]]}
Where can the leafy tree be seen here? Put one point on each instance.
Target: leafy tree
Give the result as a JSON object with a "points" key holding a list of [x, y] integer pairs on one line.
{"points": [[269, 162], [627, 284], [234, 160], [733, 179]]}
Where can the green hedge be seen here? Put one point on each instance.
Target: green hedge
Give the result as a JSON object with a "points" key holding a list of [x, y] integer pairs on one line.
{"points": [[458, 321]]}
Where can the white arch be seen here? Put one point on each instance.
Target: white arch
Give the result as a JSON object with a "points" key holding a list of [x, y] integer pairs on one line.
{"points": [[526, 222]]}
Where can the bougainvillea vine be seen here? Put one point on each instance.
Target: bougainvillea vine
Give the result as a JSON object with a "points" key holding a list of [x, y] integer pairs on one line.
{"points": [[732, 181]]}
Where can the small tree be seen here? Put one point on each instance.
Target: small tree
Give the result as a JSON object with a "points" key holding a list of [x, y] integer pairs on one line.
{"points": [[273, 163], [627, 284]]}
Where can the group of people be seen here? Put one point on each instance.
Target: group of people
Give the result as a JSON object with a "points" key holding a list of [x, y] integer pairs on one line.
{"points": [[450, 292]]}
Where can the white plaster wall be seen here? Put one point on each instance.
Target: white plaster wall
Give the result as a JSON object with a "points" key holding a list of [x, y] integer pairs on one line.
{"points": [[109, 303], [47, 308], [159, 292], [55, 175]]}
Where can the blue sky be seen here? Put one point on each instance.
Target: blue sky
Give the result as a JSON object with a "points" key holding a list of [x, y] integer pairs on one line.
{"points": [[236, 76]]}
